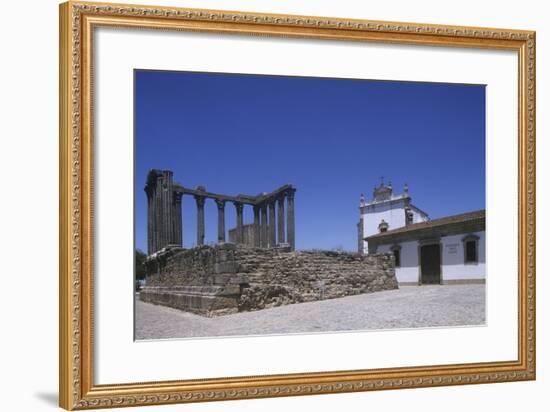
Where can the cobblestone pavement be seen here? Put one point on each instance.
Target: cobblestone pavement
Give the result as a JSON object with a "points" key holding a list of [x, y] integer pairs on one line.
{"points": [[408, 307]]}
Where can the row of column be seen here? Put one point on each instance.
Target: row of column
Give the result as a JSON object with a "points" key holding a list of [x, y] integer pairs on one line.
{"points": [[268, 231]]}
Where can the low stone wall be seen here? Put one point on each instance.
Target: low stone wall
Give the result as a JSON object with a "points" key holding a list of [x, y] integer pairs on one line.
{"points": [[215, 280]]}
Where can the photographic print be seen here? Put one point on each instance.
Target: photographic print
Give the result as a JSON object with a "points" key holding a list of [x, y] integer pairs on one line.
{"points": [[279, 204]]}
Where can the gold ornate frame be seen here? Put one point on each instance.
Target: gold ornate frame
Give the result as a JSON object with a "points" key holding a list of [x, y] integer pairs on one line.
{"points": [[76, 387]]}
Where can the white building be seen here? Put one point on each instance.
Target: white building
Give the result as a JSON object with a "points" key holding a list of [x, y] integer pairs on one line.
{"points": [[386, 211], [440, 251]]}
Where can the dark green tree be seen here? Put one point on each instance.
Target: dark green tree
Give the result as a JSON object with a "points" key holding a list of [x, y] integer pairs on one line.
{"points": [[140, 267]]}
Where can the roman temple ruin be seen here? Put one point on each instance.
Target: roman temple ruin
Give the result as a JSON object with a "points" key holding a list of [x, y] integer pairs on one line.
{"points": [[257, 268], [164, 214]]}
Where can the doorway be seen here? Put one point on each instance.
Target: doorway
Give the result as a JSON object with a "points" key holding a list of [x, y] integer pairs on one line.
{"points": [[430, 264]]}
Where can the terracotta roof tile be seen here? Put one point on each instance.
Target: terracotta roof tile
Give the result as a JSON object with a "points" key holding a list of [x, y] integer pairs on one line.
{"points": [[435, 223]]}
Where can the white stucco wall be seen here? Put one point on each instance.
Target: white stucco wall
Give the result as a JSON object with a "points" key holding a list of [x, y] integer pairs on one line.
{"points": [[408, 271], [393, 213], [418, 215], [452, 256], [453, 267]]}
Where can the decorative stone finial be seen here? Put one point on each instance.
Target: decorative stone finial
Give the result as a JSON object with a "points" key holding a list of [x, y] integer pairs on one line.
{"points": [[382, 192]]}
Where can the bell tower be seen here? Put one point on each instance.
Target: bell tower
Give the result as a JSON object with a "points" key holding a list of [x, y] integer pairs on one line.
{"points": [[386, 211]]}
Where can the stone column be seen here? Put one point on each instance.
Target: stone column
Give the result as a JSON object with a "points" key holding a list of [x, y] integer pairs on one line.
{"points": [[290, 219], [178, 228], [272, 226], [161, 216], [281, 219], [200, 220], [256, 226], [221, 220], [240, 226], [151, 229], [263, 225]]}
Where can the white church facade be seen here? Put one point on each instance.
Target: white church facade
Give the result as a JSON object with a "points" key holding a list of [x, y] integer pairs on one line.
{"points": [[439, 251]]}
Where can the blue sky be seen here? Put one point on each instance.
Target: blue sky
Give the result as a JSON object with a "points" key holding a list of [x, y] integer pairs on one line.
{"points": [[331, 138]]}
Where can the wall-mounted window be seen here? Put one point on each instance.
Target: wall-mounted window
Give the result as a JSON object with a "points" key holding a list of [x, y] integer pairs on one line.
{"points": [[409, 217], [471, 249], [396, 250]]}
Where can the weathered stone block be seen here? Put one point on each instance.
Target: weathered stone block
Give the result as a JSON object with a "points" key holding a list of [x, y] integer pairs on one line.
{"points": [[225, 267], [202, 300]]}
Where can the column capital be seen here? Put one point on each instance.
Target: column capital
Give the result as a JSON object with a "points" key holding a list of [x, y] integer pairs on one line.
{"points": [[290, 193], [200, 200], [239, 206], [220, 203]]}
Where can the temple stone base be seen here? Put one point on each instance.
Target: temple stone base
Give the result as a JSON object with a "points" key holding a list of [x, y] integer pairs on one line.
{"points": [[203, 300], [224, 279]]}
